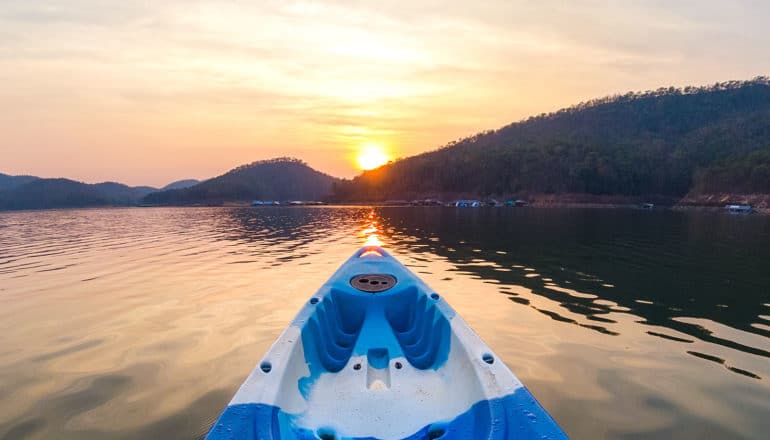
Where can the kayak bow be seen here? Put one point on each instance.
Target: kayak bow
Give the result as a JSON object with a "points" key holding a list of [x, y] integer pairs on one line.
{"points": [[377, 354]]}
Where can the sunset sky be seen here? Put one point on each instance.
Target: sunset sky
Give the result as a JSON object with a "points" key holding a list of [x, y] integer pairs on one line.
{"points": [[153, 91]]}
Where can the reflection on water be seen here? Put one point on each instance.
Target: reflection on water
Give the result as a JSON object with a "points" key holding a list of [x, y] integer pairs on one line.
{"points": [[142, 323], [658, 266]]}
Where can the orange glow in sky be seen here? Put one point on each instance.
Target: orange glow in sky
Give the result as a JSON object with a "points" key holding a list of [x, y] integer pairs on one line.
{"points": [[151, 92]]}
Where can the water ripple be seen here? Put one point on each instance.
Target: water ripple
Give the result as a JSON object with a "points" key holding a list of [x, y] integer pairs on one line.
{"points": [[141, 323]]}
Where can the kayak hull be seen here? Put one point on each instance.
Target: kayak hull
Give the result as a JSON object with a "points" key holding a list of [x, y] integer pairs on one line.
{"points": [[377, 354]]}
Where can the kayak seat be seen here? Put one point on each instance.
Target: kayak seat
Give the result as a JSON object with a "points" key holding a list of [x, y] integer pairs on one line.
{"points": [[335, 327], [421, 330]]}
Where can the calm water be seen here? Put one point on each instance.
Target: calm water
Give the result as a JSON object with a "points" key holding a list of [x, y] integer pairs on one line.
{"points": [[142, 323]]}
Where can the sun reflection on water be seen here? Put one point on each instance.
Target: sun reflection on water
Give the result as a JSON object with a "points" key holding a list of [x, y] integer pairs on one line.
{"points": [[371, 232], [167, 308]]}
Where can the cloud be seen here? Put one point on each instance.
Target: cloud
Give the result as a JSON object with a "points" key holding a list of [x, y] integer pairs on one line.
{"points": [[251, 79]]}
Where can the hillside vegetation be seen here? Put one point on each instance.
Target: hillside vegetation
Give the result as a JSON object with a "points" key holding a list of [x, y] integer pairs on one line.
{"points": [[179, 184], [275, 179], [742, 173], [10, 182], [666, 142], [53, 193], [30, 192]]}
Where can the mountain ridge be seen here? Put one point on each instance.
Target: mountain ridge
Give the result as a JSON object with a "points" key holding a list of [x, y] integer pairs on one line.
{"points": [[180, 184], [637, 144], [281, 178], [32, 192], [8, 182], [669, 144]]}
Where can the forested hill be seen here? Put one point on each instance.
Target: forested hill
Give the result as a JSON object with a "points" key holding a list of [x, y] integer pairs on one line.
{"points": [[276, 179], [10, 182], [667, 142], [29, 192], [179, 184], [32, 192]]}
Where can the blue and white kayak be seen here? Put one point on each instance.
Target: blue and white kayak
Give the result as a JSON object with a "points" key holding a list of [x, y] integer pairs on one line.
{"points": [[377, 354]]}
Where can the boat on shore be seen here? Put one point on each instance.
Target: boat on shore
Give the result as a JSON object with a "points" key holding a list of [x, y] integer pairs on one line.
{"points": [[517, 203], [377, 354], [467, 203], [739, 209]]}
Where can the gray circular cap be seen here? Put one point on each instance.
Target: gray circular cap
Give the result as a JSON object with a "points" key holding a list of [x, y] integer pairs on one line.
{"points": [[373, 282]]}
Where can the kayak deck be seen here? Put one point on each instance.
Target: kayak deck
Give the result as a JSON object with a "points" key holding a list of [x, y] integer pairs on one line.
{"points": [[377, 354]]}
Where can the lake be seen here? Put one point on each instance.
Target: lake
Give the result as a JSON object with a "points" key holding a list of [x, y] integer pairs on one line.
{"points": [[142, 322]]}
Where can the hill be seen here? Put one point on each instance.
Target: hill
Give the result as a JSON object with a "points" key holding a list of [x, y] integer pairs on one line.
{"points": [[28, 192], [9, 182], [275, 179], [179, 184], [122, 194], [52, 193], [666, 142]]}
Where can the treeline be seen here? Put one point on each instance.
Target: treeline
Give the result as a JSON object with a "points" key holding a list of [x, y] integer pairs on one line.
{"points": [[31, 192], [746, 174], [649, 143], [275, 179]]}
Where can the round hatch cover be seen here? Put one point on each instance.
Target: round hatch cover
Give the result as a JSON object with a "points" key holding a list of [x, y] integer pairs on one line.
{"points": [[373, 283]]}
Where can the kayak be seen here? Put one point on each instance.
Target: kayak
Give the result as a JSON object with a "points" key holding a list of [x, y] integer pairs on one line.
{"points": [[377, 354]]}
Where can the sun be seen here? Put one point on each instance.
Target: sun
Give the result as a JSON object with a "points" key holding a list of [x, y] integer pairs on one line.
{"points": [[372, 156]]}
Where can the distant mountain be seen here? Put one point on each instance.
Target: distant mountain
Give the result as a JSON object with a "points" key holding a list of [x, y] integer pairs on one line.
{"points": [[37, 193], [123, 194], [666, 142], [179, 184], [53, 193], [9, 182], [276, 179]]}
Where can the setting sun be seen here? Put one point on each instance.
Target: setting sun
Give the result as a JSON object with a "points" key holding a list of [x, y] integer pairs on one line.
{"points": [[372, 156]]}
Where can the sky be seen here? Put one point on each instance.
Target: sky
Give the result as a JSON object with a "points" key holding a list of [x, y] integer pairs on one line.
{"points": [[147, 92]]}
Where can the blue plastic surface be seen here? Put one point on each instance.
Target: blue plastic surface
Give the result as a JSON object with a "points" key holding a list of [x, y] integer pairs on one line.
{"points": [[371, 348]]}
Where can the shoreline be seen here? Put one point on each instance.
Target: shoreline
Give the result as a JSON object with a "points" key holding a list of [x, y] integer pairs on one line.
{"points": [[763, 210], [703, 202]]}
